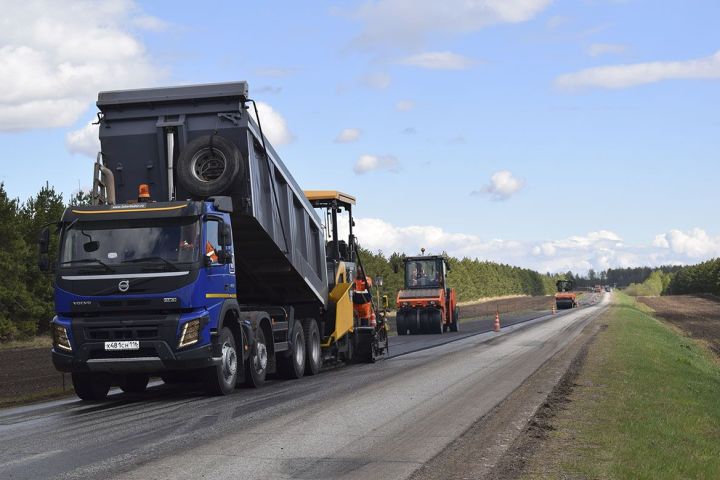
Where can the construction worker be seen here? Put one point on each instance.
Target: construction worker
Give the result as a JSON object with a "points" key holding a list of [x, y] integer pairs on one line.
{"points": [[362, 300], [210, 252]]}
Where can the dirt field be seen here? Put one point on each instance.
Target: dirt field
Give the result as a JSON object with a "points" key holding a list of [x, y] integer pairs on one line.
{"points": [[505, 305], [698, 317], [519, 308], [28, 374]]}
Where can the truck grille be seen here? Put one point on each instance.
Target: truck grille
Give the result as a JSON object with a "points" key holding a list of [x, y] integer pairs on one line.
{"points": [[145, 332]]}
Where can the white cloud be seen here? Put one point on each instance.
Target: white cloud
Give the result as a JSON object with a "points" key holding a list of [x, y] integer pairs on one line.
{"points": [[273, 124], [348, 135], [376, 234], [597, 250], [408, 23], [369, 163], [438, 61], [695, 243], [84, 141], [597, 49], [378, 81], [151, 24], [502, 186], [623, 76], [404, 105], [55, 57]]}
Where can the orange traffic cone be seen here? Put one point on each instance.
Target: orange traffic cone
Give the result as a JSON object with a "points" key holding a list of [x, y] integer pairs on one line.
{"points": [[496, 327]]}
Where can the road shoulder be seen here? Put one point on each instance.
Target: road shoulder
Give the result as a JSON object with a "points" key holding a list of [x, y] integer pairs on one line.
{"points": [[484, 446]]}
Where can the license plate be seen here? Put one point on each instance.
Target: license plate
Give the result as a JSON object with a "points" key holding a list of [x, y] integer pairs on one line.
{"points": [[128, 345]]}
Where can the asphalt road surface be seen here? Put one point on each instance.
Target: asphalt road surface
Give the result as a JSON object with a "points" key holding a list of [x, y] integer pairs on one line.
{"points": [[360, 421]]}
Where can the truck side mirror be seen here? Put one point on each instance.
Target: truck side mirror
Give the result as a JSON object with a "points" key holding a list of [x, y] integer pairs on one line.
{"points": [[44, 240], [225, 235], [224, 257], [385, 301]]}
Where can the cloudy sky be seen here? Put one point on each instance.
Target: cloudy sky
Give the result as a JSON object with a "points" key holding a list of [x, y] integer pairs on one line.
{"points": [[556, 135]]}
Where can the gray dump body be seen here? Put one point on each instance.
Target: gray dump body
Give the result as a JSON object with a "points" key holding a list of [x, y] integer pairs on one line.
{"points": [[275, 264]]}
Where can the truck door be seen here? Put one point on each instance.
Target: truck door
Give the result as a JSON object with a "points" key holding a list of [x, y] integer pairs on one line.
{"points": [[221, 281]]}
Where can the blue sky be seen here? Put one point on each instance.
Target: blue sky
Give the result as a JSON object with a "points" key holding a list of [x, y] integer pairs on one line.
{"points": [[549, 134]]}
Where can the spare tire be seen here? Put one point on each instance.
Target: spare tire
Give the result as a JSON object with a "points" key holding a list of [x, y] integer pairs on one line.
{"points": [[209, 165]]}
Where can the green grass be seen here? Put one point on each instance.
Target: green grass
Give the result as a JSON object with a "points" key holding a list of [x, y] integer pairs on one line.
{"points": [[646, 405]]}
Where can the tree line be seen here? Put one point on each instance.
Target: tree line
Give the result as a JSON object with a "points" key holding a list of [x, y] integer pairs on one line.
{"points": [[26, 296], [693, 279], [472, 279]]}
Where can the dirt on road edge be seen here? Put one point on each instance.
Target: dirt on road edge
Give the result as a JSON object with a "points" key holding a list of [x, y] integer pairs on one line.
{"points": [[498, 445]]}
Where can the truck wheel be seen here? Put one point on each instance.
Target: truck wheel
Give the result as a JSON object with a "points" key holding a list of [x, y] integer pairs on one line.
{"points": [[293, 365], [313, 362], [221, 379], [91, 386], [134, 383], [437, 323], [174, 378], [256, 365], [209, 165], [455, 324]]}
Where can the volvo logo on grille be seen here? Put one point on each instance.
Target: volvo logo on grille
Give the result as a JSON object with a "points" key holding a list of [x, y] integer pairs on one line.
{"points": [[124, 285]]}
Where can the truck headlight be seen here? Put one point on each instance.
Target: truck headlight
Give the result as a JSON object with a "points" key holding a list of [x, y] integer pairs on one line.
{"points": [[60, 338], [190, 333]]}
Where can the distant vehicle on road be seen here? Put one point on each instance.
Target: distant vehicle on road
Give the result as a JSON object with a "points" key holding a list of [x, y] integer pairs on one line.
{"points": [[426, 304], [565, 298]]}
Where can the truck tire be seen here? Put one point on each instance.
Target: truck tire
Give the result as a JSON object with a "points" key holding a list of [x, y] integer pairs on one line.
{"points": [[221, 379], [400, 324], [90, 386], [134, 383], [256, 365], [313, 360], [293, 365], [209, 165], [436, 322], [455, 324]]}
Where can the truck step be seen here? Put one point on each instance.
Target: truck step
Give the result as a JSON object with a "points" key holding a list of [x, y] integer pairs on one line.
{"points": [[279, 326]]}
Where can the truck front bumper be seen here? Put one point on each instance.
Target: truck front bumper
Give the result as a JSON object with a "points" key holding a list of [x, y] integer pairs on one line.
{"points": [[152, 357]]}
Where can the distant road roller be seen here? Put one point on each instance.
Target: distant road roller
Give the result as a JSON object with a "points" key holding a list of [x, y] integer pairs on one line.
{"points": [[565, 298], [426, 304]]}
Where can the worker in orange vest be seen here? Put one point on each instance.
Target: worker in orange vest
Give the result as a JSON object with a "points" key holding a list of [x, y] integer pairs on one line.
{"points": [[362, 300], [210, 252]]}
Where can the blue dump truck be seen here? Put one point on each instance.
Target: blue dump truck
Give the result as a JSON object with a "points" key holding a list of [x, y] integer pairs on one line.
{"points": [[200, 259]]}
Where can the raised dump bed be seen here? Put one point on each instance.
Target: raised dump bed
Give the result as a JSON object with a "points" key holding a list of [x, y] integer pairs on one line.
{"points": [[199, 141]]}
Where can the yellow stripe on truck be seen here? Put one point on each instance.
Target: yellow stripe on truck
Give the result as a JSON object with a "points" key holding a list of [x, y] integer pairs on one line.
{"points": [[220, 295]]}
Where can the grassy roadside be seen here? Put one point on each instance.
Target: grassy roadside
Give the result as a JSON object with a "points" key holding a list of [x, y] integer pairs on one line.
{"points": [[645, 405]]}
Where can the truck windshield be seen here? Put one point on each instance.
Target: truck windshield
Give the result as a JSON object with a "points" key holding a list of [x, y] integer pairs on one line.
{"points": [[422, 273], [162, 243]]}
